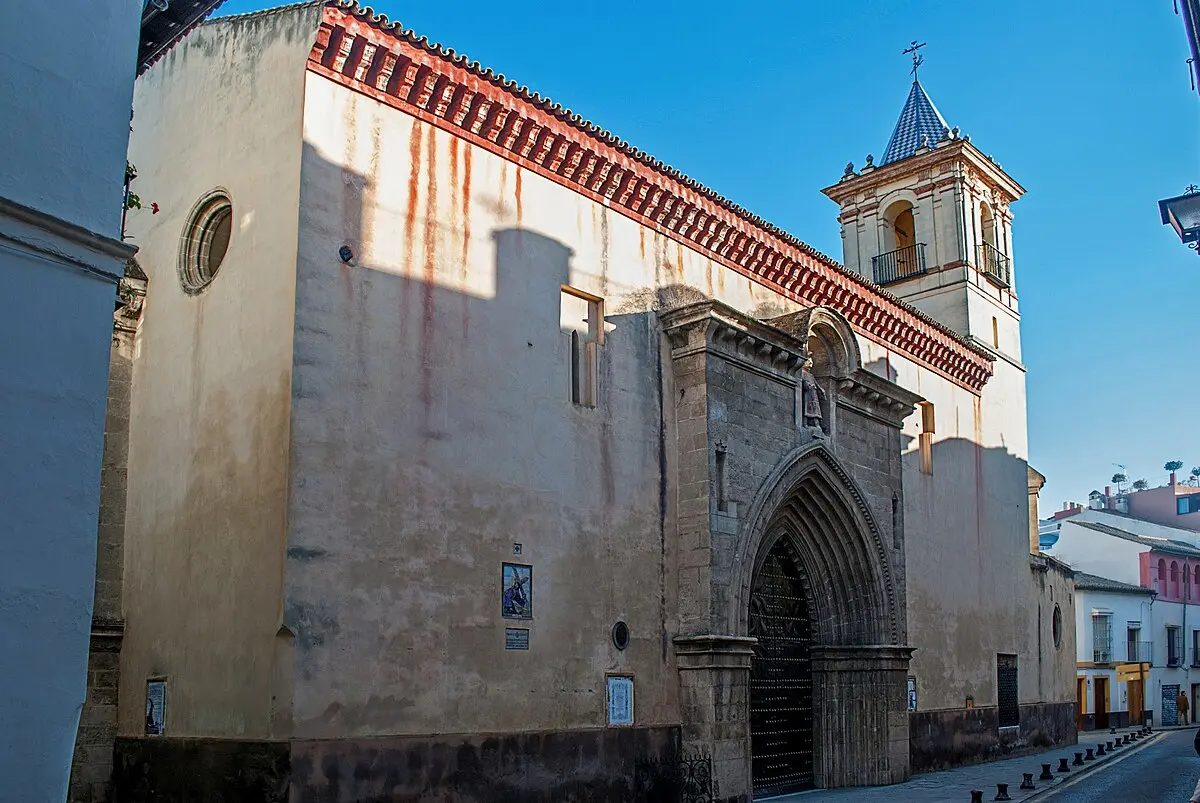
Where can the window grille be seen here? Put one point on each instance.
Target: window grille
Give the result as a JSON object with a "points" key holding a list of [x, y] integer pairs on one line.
{"points": [[1006, 687], [1101, 638]]}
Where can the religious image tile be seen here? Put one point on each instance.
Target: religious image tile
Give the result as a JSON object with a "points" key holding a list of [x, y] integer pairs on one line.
{"points": [[517, 599]]}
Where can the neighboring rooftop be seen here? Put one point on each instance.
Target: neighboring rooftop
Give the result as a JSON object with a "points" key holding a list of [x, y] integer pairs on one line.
{"points": [[920, 121], [165, 22], [1166, 545], [1093, 582]]}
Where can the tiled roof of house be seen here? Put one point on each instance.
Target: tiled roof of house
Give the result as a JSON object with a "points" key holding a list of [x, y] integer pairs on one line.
{"points": [[382, 59], [920, 123], [1166, 545], [1093, 582]]}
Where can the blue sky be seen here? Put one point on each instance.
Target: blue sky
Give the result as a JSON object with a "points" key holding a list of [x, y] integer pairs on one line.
{"points": [[765, 102]]}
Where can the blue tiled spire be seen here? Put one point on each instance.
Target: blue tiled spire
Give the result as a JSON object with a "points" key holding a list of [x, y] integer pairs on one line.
{"points": [[919, 118]]}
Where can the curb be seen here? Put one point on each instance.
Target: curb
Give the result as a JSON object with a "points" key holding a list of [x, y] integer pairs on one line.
{"points": [[1088, 771]]}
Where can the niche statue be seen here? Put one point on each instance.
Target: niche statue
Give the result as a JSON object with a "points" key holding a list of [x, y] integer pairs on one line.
{"points": [[811, 398]]}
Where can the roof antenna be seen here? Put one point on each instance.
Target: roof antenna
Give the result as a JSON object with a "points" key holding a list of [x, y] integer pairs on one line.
{"points": [[918, 59]]}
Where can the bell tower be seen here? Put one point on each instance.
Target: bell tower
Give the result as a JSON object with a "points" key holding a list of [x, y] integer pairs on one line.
{"points": [[931, 224]]}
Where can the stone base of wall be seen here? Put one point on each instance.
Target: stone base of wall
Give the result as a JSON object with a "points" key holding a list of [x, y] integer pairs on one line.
{"points": [[166, 770], [92, 763], [613, 765], [944, 739], [1116, 719]]}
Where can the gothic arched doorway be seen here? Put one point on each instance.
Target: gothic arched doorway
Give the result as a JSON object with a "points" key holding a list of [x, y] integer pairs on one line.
{"points": [[828, 671], [781, 713]]}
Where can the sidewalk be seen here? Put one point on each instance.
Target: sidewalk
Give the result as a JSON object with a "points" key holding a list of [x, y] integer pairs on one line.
{"points": [[954, 786]]}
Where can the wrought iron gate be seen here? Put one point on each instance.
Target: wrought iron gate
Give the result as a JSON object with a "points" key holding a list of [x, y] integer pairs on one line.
{"points": [[781, 716]]}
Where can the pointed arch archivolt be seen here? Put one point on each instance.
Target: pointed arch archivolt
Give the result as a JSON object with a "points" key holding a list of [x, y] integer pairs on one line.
{"points": [[846, 565]]}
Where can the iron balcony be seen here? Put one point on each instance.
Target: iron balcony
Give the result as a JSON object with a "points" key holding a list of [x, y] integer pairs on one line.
{"points": [[903, 263]]}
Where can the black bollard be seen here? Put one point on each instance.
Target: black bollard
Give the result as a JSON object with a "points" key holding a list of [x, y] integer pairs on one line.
{"points": [[1113, 745], [1046, 774], [1002, 792], [1062, 765], [1027, 779], [1100, 749], [976, 796], [1112, 730], [1078, 762], [1091, 755], [1125, 740]]}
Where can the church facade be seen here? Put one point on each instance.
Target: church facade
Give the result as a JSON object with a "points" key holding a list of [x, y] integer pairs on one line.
{"points": [[475, 454]]}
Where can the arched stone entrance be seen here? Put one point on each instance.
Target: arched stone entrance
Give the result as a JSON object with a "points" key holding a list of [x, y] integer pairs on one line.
{"points": [[821, 595]]}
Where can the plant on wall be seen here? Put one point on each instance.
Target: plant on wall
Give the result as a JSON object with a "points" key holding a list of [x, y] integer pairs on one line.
{"points": [[1140, 485], [1119, 480], [1196, 475]]}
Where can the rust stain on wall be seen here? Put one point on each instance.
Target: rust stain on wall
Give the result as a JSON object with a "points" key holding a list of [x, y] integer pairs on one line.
{"points": [[428, 277], [501, 205], [605, 242], [410, 213], [517, 197], [466, 241]]}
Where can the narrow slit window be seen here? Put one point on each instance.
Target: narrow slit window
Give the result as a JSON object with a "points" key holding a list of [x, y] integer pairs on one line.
{"points": [[926, 437], [582, 322], [722, 504], [995, 333]]}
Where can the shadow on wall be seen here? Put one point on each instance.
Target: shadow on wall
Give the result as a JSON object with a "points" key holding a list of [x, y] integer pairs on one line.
{"points": [[444, 400], [398, 373], [973, 601], [883, 368]]}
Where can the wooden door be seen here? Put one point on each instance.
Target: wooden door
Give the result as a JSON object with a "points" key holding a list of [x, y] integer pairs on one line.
{"points": [[1136, 705], [1081, 684], [1100, 701]]}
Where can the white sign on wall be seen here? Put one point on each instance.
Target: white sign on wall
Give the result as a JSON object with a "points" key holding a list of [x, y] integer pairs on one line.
{"points": [[620, 700], [156, 707]]}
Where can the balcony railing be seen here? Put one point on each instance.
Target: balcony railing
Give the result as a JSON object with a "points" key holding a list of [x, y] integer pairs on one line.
{"points": [[995, 265], [1102, 655], [903, 263], [1139, 651]]}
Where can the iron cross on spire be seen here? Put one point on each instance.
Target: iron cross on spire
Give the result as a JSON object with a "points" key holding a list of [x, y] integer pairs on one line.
{"points": [[918, 59]]}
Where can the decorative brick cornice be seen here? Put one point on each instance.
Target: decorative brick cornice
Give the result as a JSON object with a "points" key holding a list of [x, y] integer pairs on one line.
{"points": [[380, 59]]}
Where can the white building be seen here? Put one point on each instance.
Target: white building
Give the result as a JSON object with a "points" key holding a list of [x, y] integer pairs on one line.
{"points": [[1168, 630], [68, 70], [1112, 619]]}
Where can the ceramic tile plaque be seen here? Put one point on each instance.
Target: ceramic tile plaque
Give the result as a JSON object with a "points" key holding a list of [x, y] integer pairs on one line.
{"points": [[620, 700], [517, 595]]}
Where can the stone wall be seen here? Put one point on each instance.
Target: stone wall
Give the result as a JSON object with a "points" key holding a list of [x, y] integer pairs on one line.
{"points": [[91, 766], [615, 765], [165, 770], [942, 739]]}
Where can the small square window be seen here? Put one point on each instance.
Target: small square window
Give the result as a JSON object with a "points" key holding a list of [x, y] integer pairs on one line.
{"points": [[926, 437]]}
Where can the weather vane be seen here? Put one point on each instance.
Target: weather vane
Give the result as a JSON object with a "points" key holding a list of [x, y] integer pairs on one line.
{"points": [[918, 59]]}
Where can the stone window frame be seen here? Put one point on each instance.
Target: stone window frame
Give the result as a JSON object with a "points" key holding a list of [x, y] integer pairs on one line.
{"points": [[196, 272]]}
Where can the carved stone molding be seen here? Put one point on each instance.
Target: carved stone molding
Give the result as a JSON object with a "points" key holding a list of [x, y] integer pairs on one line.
{"points": [[716, 328], [714, 651], [877, 397]]}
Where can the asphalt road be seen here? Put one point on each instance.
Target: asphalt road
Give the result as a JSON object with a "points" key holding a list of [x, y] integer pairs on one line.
{"points": [[1164, 772]]}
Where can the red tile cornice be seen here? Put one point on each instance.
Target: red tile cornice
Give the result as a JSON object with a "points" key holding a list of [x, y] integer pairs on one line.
{"points": [[368, 54]]}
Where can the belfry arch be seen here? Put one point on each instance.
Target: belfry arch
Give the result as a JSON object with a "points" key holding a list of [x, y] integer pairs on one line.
{"points": [[811, 551]]}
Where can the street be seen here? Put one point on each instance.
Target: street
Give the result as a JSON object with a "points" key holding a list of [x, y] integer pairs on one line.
{"points": [[1166, 771]]}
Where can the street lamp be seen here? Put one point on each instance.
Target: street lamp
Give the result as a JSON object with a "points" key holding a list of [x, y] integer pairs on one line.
{"points": [[1183, 213]]}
